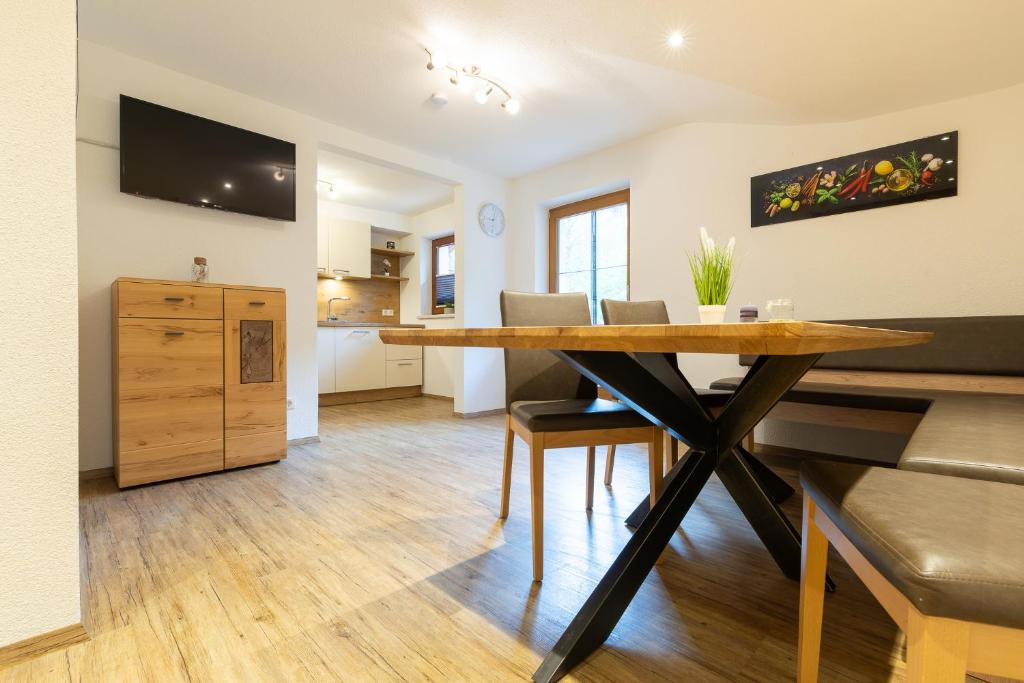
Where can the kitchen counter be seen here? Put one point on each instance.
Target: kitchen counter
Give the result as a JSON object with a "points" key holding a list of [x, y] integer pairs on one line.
{"points": [[344, 323]]}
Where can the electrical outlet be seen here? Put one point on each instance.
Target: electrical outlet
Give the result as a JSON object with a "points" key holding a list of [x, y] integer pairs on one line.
{"points": [[291, 404], [387, 312]]}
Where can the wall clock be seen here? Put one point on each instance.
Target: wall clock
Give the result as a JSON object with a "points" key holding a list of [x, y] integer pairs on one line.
{"points": [[491, 219]]}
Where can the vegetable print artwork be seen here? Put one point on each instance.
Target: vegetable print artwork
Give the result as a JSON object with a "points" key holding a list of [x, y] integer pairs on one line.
{"points": [[907, 172]]}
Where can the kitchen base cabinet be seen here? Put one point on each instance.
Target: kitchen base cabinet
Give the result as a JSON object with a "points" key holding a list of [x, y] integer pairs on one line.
{"points": [[355, 366], [199, 378]]}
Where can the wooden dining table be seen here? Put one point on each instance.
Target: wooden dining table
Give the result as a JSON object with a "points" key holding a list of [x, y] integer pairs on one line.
{"points": [[630, 362]]}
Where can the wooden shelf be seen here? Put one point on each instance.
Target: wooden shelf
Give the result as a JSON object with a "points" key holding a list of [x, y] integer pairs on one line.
{"points": [[389, 277], [391, 252]]}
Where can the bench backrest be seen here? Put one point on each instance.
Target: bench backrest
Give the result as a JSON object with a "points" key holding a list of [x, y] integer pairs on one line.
{"points": [[977, 345]]}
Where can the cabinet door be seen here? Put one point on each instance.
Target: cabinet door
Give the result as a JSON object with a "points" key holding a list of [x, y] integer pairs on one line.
{"points": [[349, 248], [323, 240], [325, 358], [255, 394], [404, 373], [359, 360]]}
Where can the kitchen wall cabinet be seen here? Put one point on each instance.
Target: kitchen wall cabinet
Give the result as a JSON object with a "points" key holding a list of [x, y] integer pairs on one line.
{"points": [[199, 378], [348, 248], [323, 258]]}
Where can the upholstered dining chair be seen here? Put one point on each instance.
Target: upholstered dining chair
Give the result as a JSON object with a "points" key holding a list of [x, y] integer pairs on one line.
{"points": [[638, 313], [550, 405]]}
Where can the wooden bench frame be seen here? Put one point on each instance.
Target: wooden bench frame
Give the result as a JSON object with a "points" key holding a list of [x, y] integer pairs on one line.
{"points": [[939, 650]]}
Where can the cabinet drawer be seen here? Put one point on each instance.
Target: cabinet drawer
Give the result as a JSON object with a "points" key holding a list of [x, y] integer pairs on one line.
{"points": [[254, 449], [153, 300], [404, 373], [253, 304], [402, 352], [169, 462], [169, 353], [149, 418]]}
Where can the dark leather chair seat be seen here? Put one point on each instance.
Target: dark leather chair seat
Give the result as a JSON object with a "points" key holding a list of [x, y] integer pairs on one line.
{"points": [[568, 415], [955, 547], [978, 437]]}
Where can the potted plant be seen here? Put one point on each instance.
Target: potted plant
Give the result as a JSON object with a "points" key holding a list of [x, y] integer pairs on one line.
{"points": [[449, 308], [711, 268]]}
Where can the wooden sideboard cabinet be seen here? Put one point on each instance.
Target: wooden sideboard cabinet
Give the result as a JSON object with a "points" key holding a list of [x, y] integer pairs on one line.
{"points": [[199, 378]]}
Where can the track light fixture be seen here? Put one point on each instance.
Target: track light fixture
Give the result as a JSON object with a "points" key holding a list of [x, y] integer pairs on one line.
{"points": [[464, 77]]}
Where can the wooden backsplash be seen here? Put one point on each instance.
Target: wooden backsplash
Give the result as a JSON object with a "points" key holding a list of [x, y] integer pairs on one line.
{"points": [[367, 299]]}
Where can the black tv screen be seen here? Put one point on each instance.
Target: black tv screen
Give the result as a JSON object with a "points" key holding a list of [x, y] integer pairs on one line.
{"points": [[168, 154]]}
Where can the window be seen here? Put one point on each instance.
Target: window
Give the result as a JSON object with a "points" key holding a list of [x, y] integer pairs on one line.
{"points": [[442, 273], [589, 249]]}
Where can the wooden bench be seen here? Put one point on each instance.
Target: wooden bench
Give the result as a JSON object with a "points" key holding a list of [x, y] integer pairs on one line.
{"points": [[891, 390]]}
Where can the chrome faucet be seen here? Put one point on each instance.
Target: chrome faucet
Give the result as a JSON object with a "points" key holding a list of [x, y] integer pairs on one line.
{"points": [[331, 316]]}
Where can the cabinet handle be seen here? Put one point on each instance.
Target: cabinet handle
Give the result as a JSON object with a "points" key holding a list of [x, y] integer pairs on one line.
{"points": [[340, 270], [360, 332], [171, 333], [321, 269], [257, 303], [174, 298], [403, 364]]}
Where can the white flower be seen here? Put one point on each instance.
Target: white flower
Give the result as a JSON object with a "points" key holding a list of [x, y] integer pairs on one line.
{"points": [[705, 239], [731, 245]]}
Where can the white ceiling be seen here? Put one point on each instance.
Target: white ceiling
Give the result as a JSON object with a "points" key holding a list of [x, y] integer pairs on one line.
{"points": [[590, 73], [374, 186]]}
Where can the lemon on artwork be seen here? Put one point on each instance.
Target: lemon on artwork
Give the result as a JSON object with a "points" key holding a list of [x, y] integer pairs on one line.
{"points": [[883, 168], [785, 203]]}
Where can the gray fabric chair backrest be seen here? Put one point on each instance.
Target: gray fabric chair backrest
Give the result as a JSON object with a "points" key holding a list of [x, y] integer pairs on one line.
{"points": [[975, 345], [637, 313], [537, 375], [634, 312]]}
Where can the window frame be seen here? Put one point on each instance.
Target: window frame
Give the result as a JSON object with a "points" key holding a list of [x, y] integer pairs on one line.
{"points": [[585, 206], [436, 244]]}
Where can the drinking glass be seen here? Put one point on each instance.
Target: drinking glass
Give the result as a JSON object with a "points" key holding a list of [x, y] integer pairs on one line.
{"points": [[780, 309]]}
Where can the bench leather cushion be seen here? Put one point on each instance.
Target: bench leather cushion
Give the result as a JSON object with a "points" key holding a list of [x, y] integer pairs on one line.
{"points": [[979, 437], [970, 345], [954, 547], [846, 396]]}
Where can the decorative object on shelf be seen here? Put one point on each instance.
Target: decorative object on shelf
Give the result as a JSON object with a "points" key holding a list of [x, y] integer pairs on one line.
{"points": [[257, 351], [449, 308], [491, 219], [465, 78], [200, 269], [897, 174], [390, 244], [748, 314], [712, 272], [780, 309], [386, 264]]}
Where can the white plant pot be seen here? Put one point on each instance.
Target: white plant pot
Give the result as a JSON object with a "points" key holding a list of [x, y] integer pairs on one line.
{"points": [[711, 315]]}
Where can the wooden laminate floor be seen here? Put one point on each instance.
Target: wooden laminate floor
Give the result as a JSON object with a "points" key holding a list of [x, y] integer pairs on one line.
{"points": [[377, 555]]}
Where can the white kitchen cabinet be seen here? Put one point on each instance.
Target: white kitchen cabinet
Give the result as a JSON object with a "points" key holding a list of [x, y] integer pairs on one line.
{"points": [[348, 248], [323, 241], [359, 359], [404, 373], [325, 359], [402, 352]]}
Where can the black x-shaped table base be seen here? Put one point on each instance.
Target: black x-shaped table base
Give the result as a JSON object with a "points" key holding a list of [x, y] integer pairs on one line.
{"points": [[653, 386]]}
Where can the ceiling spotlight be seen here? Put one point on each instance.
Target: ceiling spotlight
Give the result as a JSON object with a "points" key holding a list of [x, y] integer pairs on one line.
{"points": [[439, 99], [227, 186], [511, 105], [438, 59], [332, 191], [279, 174], [675, 39], [483, 93]]}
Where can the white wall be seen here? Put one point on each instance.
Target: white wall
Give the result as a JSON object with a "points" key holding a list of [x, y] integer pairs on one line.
{"points": [[440, 364], [39, 572], [123, 235], [955, 256], [375, 217]]}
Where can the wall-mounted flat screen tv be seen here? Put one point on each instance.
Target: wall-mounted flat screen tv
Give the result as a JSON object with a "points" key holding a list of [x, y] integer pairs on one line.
{"points": [[168, 154]]}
